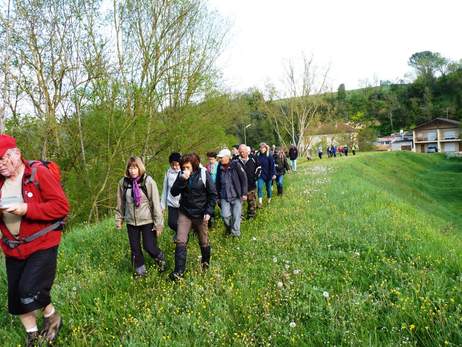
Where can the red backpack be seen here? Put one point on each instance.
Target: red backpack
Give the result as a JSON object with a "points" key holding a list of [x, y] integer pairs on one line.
{"points": [[50, 165]]}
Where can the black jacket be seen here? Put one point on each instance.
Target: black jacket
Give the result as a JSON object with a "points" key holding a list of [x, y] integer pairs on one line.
{"points": [[238, 175], [293, 153], [196, 199], [252, 170], [281, 165]]}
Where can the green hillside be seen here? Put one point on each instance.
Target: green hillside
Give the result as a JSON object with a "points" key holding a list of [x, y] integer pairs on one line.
{"points": [[363, 250]]}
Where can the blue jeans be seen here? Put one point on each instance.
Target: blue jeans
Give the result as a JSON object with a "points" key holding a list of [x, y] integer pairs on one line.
{"points": [[260, 183], [231, 213], [280, 180], [293, 163]]}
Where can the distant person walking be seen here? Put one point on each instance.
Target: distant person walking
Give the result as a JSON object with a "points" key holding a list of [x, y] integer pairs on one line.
{"points": [[138, 205], [32, 211], [167, 200], [251, 168], [281, 167], [267, 174], [197, 202], [232, 191], [345, 150], [354, 148], [320, 152], [293, 155]]}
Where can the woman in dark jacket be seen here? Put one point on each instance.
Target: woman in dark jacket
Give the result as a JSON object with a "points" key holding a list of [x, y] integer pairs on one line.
{"points": [[267, 175], [198, 198], [282, 166]]}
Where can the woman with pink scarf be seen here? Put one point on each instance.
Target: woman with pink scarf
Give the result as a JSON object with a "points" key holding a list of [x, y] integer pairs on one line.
{"points": [[138, 205]]}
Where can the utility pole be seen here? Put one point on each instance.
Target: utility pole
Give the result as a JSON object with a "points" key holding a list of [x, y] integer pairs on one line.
{"points": [[245, 133]]}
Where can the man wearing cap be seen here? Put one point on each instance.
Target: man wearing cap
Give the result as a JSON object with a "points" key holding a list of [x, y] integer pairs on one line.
{"points": [[32, 209], [232, 190]]}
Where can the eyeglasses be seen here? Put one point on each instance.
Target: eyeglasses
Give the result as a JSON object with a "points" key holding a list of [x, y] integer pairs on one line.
{"points": [[4, 159]]}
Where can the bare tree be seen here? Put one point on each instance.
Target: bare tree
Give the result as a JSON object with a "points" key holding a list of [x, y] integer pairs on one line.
{"points": [[295, 109]]}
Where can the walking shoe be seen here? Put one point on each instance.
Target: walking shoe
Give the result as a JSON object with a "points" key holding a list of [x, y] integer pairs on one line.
{"points": [[259, 205], [52, 327], [32, 339], [176, 276], [140, 271]]}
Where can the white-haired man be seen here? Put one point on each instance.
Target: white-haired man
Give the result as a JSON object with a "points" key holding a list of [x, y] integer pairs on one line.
{"points": [[232, 190], [33, 206], [251, 168]]}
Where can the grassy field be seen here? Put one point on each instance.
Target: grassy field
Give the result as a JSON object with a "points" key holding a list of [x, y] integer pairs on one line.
{"points": [[361, 251]]}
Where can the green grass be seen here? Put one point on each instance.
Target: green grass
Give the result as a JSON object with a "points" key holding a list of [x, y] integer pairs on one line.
{"points": [[381, 233]]}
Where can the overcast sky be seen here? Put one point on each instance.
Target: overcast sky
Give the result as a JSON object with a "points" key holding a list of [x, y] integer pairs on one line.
{"points": [[360, 39]]}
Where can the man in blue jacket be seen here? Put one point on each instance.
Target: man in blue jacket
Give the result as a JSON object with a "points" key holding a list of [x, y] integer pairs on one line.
{"points": [[268, 173]]}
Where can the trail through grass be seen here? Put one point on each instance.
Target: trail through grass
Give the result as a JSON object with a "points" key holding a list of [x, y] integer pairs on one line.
{"points": [[363, 250]]}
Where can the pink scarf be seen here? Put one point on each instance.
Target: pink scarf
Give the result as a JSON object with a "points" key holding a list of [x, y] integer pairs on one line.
{"points": [[136, 191]]}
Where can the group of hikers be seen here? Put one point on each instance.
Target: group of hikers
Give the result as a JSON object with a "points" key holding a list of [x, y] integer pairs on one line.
{"points": [[333, 150], [33, 207], [189, 194]]}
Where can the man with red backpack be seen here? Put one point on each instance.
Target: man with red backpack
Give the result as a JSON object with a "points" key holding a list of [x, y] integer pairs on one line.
{"points": [[32, 211]]}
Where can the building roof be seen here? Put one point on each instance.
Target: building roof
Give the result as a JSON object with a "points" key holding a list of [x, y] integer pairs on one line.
{"points": [[444, 120]]}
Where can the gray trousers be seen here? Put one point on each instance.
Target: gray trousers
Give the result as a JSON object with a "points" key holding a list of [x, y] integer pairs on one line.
{"points": [[231, 213]]}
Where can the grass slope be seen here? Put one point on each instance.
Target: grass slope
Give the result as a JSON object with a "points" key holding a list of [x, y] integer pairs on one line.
{"points": [[363, 250]]}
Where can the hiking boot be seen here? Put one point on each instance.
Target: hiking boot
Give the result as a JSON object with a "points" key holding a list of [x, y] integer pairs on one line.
{"points": [[205, 259], [180, 263], [140, 271], [161, 263], [52, 327], [280, 190], [32, 339]]}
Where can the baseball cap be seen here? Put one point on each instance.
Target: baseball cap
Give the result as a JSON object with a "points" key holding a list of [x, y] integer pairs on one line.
{"points": [[6, 142], [224, 153]]}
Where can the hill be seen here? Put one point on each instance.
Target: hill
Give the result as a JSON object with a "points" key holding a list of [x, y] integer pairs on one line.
{"points": [[363, 250]]}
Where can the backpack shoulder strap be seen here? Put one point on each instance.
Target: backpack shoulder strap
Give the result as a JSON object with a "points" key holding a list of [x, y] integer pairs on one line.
{"points": [[33, 176], [204, 176], [144, 188]]}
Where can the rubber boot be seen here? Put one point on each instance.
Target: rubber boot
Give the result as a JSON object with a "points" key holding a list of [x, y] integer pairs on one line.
{"points": [[205, 260], [180, 263], [279, 190]]}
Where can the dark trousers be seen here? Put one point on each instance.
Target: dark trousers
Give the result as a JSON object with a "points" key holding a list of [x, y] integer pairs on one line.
{"points": [[149, 243], [173, 218], [251, 204], [30, 281]]}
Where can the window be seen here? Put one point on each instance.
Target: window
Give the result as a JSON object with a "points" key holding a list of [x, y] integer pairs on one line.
{"points": [[449, 134], [431, 136]]}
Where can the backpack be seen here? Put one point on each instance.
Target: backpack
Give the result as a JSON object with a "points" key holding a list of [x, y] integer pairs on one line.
{"points": [[52, 166]]}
